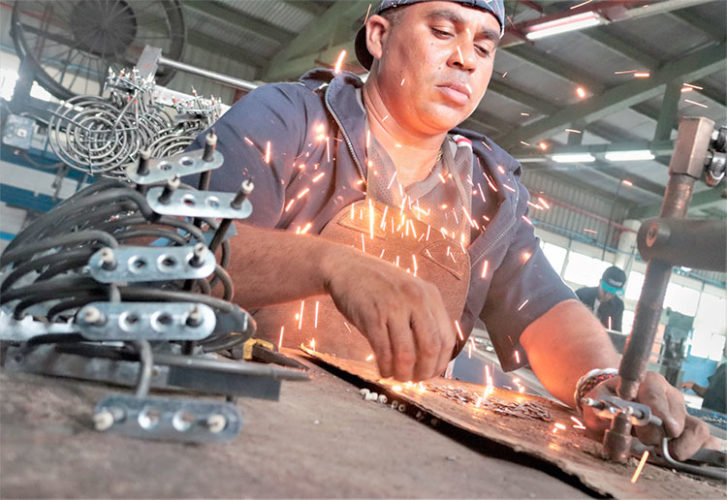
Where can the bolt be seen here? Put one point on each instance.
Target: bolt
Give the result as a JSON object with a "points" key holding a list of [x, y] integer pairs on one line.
{"points": [[382, 399], [401, 407], [364, 392], [103, 420], [371, 396], [108, 261], [210, 143], [195, 317], [245, 190], [198, 252], [143, 168], [92, 316], [172, 185], [216, 423]]}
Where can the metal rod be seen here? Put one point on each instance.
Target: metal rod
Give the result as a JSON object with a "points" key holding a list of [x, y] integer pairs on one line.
{"points": [[212, 75]]}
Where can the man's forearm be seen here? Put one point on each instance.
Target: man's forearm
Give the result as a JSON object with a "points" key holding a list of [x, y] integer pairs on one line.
{"points": [[564, 344]]}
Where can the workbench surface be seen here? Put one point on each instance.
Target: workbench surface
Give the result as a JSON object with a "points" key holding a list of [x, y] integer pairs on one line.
{"points": [[321, 439]]}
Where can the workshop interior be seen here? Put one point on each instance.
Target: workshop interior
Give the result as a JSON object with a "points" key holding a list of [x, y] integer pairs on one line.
{"points": [[128, 370]]}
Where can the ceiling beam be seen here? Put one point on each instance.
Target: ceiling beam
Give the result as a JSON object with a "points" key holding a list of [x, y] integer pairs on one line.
{"points": [[309, 43], [215, 46], [294, 68], [693, 66], [669, 112], [612, 42], [714, 30], [522, 97], [239, 20], [308, 6], [704, 198]]}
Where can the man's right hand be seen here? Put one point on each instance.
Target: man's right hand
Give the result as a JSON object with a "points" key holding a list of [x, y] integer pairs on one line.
{"points": [[403, 317]]}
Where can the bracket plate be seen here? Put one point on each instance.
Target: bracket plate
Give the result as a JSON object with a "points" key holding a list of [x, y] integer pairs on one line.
{"points": [[186, 163], [135, 264], [145, 320], [169, 419], [189, 203], [25, 329]]}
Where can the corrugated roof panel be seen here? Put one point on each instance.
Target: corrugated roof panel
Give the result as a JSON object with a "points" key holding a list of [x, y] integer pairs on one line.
{"points": [[283, 14], [664, 35]]}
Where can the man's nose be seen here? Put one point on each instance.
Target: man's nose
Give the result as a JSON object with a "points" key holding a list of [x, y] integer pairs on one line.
{"points": [[463, 56]]}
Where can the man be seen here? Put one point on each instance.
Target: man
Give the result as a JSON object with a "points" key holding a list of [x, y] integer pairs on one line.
{"points": [[714, 395], [385, 152], [603, 300]]}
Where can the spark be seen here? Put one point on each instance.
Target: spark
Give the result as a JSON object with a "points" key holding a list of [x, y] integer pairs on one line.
{"points": [[441, 178], [627, 182], [501, 169], [467, 215], [461, 57], [524, 114], [689, 85], [696, 103], [609, 323], [573, 131], [517, 356], [642, 74], [306, 228], [315, 321], [526, 256], [560, 426], [396, 388], [413, 258], [247, 140], [429, 228], [339, 62], [383, 218], [525, 143], [459, 330], [384, 118], [469, 351], [640, 467], [590, 231], [486, 146], [368, 139], [580, 4], [525, 218], [402, 82], [391, 181], [509, 188], [371, 219], [318, 177], [381, 255], [280, 340], [625, 72], [289, 205], [303, 193], [684, 90], [368, 11], [352, 213], [328, 149], [300, 318], [581, 92], [542, 201], [505, 74], [485, 264], [267, 152], [370, 357], [312, 344], [578, 423], [347, 327], [363, 243], [523, 304], [482, 195]]}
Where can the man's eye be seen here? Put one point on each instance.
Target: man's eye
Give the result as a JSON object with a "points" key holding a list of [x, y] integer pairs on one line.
{"points": [[441, 33], [483, 51]]}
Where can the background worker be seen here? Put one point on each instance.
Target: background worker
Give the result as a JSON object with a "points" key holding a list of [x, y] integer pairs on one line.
{"points": [[603, 300], [329, 146]]}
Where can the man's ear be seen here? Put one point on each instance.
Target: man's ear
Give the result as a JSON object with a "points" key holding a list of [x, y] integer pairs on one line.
{"points": [[377, 29]]}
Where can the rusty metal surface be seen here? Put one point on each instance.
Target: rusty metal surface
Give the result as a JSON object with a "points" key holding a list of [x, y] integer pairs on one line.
{"points": [[536, 426]]}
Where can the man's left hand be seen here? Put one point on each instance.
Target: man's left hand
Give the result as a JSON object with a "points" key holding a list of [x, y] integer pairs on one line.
{"points": [[688, 434]]}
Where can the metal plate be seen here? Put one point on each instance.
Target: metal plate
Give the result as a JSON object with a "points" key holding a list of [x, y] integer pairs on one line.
{"points": [[169, 419], [179, 165], [560, 441], [189, 203], [135, 264], [27, 328], [145, 320]]}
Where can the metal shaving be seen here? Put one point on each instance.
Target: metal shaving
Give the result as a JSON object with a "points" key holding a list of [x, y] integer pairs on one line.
{"points": [[527, 409]]}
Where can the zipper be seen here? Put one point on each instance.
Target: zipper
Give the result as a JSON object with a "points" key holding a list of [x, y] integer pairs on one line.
{"points": [[345, 136]]}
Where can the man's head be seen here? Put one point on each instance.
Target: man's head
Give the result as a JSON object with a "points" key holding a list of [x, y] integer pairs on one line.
{"points": [[612, 283], [431, 61]]}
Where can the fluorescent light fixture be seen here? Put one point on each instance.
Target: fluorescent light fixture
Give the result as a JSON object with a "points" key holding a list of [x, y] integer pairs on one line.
{"points": [[573, 158], [532, 159], [638, 155], [563, 25]]}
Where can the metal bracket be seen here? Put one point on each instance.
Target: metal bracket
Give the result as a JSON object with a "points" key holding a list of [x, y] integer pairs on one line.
{"points": [[25, 329], [168, 419], [186, 163], [198, 204], [135, 264], [145, 320]]}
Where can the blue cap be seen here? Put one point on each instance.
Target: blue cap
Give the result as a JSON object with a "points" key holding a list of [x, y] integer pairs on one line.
{"points": [[494, 7], [613, 280]]}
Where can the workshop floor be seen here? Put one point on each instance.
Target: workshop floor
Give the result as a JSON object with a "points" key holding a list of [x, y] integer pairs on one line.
{"points": [[320, 440]]}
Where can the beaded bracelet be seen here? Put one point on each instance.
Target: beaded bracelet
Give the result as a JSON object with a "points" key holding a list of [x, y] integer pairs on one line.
{"points": [[589, 381]]}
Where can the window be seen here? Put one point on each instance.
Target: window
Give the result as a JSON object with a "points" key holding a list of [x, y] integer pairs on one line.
{"points": [[584, 270], [634, 283], [710, 325], [555, 255], [681, 299]]}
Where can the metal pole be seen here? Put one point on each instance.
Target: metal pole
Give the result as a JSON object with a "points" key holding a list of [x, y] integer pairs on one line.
{"points": [[212, 75]]}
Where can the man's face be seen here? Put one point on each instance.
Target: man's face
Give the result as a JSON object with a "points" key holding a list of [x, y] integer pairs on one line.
{"points": [[603, 295], [435, 64]]}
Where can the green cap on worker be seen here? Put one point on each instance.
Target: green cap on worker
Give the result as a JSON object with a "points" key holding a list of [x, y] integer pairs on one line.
{"points": [[613, 280], [495, 7]]}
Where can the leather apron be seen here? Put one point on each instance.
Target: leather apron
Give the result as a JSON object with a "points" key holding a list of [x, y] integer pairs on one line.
{"points": [[394, 235]]}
